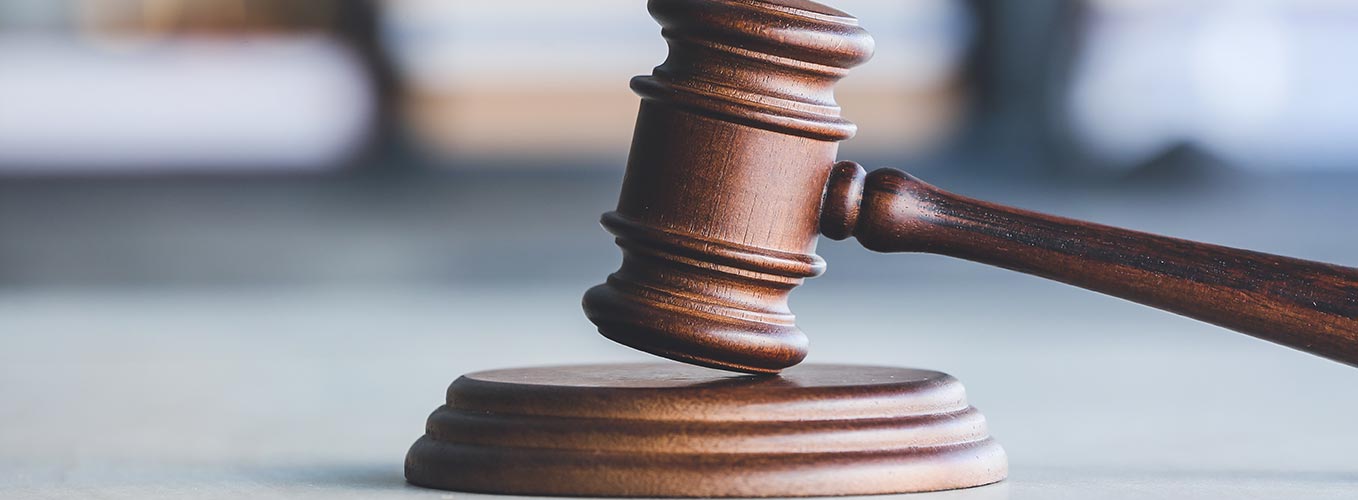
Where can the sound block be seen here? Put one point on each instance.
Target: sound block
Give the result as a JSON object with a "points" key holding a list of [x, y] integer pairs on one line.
{"points": [[672, 430]]}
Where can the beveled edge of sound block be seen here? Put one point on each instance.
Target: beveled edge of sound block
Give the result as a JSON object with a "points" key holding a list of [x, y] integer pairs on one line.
{"points": [[671, 430]]}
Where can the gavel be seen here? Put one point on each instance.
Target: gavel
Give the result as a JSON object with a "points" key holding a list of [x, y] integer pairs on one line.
{"points": [[732, 178]]}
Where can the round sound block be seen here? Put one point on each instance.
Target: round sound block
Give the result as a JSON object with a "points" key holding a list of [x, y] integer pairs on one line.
{"points": [[671, 430]]}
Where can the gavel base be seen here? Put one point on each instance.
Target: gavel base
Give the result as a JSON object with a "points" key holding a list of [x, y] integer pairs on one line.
{"points": [[671, 430]]}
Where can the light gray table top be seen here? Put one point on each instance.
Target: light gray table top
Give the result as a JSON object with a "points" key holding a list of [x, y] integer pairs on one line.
{"points": [[317, 392]]}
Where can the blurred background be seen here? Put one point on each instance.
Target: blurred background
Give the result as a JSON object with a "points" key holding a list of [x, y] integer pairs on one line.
{"points": [[241, 142], [299, 219]]}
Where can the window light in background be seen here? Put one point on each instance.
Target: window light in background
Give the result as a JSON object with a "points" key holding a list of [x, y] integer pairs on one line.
{"points": [[1267, 85]]}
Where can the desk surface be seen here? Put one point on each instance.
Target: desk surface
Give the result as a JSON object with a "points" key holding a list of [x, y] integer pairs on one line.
{"points": [[317, 393]]}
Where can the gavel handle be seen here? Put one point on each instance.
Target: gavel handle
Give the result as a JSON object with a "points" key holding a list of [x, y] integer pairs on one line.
{"points": [[1309, 306]]}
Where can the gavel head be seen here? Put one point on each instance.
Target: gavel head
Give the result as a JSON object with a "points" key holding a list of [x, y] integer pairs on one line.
{"points": [[734, 142]]}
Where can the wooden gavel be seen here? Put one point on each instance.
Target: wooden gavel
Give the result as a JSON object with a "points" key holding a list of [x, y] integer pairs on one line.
{"points": [[732, 177]]}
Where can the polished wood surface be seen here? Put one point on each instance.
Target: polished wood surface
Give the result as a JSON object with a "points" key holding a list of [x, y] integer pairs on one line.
{"points": [[1310, 306], [717, 219], [671, 430], [726, 190]]}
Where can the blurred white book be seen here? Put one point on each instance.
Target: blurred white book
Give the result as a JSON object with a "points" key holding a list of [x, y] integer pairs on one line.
{"points": [[171, 86], [279, 103]]}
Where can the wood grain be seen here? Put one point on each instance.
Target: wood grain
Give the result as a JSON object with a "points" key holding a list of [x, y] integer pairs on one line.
{"points": [[670, 430], [1309, 306], [717, 218]]}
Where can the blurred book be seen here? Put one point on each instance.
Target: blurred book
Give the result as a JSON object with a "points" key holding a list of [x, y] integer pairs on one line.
{"points": [[539, 80], [135, 86]]}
